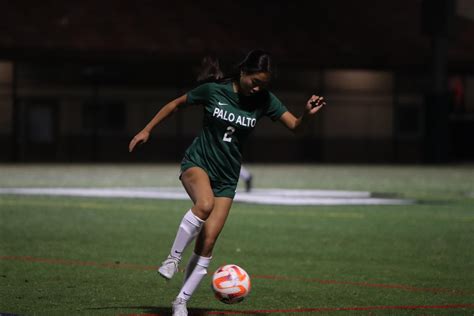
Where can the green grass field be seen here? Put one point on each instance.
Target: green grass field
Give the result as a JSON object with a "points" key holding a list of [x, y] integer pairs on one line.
{"points": [[90, 256]]}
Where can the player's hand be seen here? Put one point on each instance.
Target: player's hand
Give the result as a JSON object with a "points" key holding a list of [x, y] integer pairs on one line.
{"points": [[140, 138], [314, 104]]}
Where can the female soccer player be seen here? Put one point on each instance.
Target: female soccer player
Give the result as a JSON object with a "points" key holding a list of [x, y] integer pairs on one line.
{"points": [[211, 164], [210, 71]]}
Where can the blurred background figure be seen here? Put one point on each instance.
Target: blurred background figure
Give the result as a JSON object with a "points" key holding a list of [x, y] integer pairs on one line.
{"points": [[247, 177]]}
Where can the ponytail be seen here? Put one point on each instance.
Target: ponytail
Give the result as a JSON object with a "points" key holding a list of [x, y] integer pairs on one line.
{"points": [[255, 61], [210, 70]]}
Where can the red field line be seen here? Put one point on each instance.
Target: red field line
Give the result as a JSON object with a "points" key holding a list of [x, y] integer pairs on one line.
{"points": [[330, 309], [119, 265], [364, 284], [333, 309]]}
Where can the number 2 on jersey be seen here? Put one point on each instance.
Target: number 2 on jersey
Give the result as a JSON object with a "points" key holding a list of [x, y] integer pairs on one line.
{"points": [[228, 134]]}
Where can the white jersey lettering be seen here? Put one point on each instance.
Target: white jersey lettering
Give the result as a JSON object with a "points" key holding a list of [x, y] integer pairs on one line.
{"points": [[231, 117]]}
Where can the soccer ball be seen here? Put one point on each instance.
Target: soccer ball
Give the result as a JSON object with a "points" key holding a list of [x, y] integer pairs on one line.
{"points": [[231, 284]]}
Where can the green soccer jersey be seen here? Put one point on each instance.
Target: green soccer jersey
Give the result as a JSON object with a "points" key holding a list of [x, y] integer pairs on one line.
{"points": [[229, 118]]}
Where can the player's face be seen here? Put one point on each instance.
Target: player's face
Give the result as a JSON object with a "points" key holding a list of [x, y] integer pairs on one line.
{"points": [[254, 82]]}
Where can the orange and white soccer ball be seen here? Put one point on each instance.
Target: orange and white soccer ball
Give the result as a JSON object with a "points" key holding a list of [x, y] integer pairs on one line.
{"points": [[231, 284]]}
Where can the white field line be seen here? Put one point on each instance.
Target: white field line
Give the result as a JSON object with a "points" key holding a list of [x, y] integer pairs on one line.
{"points": [[257, 196]]}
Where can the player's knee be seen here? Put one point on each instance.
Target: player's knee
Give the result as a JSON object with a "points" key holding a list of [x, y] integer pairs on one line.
{"points": [[204, 206]]}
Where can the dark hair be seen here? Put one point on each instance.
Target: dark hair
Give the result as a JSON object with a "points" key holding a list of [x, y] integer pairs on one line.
{"points": [[256, 60], [210, 70]]}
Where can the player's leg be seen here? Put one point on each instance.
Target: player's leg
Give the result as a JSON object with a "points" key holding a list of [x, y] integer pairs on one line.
{"points": [[198, 186], [196, 182], [201, 258], [213, 227]]}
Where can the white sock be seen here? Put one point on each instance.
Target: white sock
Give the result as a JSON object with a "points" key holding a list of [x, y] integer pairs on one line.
{"points": [[195, 272], [188, 230]]}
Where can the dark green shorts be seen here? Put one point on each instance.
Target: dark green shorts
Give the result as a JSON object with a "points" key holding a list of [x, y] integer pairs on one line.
{"points": [[220, 189]]}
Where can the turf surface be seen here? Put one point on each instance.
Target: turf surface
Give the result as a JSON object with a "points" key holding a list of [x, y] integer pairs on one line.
{"points": [[83, 256]]}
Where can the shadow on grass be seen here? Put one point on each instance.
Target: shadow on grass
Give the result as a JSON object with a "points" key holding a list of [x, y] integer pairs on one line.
{"points": [[151, 310]]}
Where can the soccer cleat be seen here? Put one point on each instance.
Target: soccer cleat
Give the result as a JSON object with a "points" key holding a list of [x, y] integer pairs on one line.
{"points": [[179, 307], [169, 267]]}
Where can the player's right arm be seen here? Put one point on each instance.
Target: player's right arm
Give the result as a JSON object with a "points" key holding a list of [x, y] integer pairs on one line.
{"points": [[163, 113]]}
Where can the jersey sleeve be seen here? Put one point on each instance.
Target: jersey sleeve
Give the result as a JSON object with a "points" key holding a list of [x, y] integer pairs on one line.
{"points": [[275, 108], [199, 95]]}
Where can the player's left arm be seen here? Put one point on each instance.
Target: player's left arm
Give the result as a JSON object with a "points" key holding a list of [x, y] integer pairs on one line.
{"points": [[313, 105]]}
